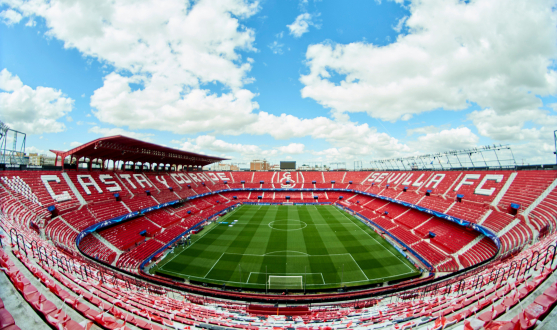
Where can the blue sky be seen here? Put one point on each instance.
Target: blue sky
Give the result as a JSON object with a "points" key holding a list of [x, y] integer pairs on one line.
{"points": [[323, 81]]}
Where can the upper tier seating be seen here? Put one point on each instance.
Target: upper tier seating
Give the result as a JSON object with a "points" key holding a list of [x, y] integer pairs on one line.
{"points": [[90, 185], [526, 187], [356, 177], [477, 299], [336, 176], [42, 185], [470, 185], [310, 176], [238, 177]]}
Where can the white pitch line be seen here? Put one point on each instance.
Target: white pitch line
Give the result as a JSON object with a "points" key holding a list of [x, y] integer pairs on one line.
{"points": [[371, 279], [208, 231], [214, 265], [374, 239], [308, 284], [358, 266], [289, 256]]}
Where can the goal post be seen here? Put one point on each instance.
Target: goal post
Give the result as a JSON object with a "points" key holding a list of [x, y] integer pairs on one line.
{"points": [[285, 282], [287, 203]]}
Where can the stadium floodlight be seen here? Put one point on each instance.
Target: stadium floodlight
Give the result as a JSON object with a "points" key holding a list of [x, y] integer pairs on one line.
{"points": [[488, 156]]}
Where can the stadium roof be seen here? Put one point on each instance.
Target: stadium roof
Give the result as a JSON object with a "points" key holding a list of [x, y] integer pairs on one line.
{"points": [[123, 148]]}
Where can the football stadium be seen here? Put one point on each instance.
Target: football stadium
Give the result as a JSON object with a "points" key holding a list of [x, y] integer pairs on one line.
{"points": [[153, 244], [296, 165]]}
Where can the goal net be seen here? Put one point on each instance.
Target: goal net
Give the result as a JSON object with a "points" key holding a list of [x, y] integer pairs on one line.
{"points": [[285, 282], [287, 203]]}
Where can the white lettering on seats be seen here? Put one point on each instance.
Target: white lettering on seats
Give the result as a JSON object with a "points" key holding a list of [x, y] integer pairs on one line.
{"points": [[64, 196], [194, 177], [90, 183], [185, 177], [141, 179], [417, 183], [162, 180], [394, 176], [104, 177], [177, 178], [437, 178], [373, 176], [128, 178], [400, 179], [381, 177], [467, 183], [213, 176], [223, 177], [407, 181], [205, 177], [488, 192]]}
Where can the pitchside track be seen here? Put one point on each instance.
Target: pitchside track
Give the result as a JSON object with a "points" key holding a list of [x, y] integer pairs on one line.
{"points": [[278, 247]]}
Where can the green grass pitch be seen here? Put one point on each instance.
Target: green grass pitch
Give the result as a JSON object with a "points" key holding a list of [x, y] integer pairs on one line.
{"points": [[327, 247]]}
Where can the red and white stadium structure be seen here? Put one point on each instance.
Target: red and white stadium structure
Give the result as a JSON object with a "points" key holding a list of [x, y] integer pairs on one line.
{"points": [[490, 263]]}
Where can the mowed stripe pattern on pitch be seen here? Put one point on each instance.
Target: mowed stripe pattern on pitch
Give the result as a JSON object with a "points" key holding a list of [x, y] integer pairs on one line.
{"points": [[325, 245]]}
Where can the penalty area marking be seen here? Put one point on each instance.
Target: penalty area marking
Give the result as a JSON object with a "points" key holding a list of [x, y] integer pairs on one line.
{"points": [[216, 262], [405, 264], [285, 274], [308, 284], [215, 225]]}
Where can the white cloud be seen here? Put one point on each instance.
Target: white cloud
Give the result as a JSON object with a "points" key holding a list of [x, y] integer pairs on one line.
{"points": [[276, 47], [204, 143], [354, 140], [445, 140], [498, 54], [530, 132], [171, 49], [119, 131], [423, 130], [32, 111], [33, 150], [509, 127], [75, 144], [171, 57], [168, 109], [293, 148], [301, 25], [400, 24], [10, 17]]}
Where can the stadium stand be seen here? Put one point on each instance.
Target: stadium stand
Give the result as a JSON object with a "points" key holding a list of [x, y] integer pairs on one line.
{"points": [[485, 200]]}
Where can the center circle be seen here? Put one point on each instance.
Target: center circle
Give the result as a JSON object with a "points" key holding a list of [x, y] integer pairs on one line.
{"points": [[287, 225]]}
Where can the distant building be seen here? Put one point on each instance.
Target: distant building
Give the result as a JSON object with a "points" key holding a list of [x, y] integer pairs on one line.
{"points": [[36, 159], [41, 160], [259, 165], [222, 167]]}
